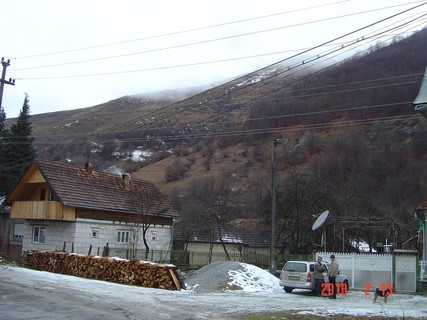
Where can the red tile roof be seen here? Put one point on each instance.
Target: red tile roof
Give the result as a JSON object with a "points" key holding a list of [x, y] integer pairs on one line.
{"points": [[78, 187]]}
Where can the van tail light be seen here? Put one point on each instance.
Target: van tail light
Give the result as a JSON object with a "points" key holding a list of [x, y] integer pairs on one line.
{"points": [[309, 277], [281, 276]]}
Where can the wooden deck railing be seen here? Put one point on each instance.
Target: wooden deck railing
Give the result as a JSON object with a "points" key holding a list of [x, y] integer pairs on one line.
{"points": [[42, 210]]}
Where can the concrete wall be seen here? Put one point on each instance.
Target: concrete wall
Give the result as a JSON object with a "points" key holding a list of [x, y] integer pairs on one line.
{"points": [[56, 233], [81, 235]]}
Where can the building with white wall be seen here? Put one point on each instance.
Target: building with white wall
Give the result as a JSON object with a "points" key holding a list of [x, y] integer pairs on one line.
{"points": [[57, 206]]}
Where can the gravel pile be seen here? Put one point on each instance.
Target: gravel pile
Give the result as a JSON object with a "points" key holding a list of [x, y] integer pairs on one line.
{"points": [[213, 277]]}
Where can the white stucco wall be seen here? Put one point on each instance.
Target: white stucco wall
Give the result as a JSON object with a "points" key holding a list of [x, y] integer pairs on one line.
{"points": [[80, 233]]}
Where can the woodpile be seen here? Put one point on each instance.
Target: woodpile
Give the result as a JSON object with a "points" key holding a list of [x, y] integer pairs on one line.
{"points": [[132, 272]]}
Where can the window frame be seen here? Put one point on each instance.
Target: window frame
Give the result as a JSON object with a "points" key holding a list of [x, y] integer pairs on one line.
{"points": [[15, 236], [154, 235], [40, 234], [123, 236], [95, 233]]}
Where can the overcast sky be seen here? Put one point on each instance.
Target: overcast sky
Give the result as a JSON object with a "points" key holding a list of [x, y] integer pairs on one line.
{"points": [[74, 54]]}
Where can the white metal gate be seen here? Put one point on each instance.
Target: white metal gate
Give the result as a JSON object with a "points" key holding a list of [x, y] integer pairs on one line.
{"points": [[368, 271]]}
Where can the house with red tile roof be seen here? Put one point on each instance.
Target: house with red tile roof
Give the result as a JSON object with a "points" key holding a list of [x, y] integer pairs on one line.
{"points": [[57, 206]]}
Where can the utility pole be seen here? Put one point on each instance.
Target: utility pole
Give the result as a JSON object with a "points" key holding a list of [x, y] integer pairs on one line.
{"points": [[273, 267], [3, 80]]}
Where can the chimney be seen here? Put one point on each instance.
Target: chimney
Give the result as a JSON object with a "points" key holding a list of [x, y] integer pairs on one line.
{"points": [[125, 180], [88, 167]]}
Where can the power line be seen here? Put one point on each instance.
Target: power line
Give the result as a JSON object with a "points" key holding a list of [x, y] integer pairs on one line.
{"points": [[193, 43], [231, 122], [185, 31], [116, 113], [324, 93], [233, 92], [267, 130], [342, 36]]}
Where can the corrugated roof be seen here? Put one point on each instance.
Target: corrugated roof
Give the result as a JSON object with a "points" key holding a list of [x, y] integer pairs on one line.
{"points": [[78, 187]]}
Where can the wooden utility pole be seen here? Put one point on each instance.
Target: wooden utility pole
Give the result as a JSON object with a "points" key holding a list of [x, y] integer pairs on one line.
{"points": [[273, 267], [3, 80]]}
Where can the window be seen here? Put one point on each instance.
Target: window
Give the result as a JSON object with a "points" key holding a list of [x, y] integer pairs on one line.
{"points": [[95, 232], [18, 231], [42, 194], [123, 236], [39, 234], [52, 196], [154, 235]]}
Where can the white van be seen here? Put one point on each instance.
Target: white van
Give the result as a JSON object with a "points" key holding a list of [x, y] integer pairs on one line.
{"points": [[300, 275]]}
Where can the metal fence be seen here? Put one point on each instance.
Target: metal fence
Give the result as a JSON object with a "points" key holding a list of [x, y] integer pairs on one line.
{"points": [[371, 270], [187, 259], [423, 270]]}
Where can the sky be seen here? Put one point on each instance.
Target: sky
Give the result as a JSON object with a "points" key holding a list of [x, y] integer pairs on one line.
{"points": [[260, 293], [76, 54]]}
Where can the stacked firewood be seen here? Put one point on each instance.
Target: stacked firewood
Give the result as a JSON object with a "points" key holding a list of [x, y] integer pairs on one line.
{"points": [[133, 272]]}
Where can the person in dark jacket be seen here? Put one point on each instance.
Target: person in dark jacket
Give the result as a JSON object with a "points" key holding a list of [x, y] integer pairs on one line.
{"points": [[319, 269]]}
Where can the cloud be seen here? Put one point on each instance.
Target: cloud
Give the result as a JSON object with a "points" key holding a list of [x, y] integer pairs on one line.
{"points": [[150, 42]]}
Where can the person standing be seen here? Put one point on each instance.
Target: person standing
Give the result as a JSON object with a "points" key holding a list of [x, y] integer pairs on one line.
{"points": [[333, 274], [319, 269]]}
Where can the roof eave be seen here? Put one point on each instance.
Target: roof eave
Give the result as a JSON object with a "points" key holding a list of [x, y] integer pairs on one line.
{"points": [[118, 210]]}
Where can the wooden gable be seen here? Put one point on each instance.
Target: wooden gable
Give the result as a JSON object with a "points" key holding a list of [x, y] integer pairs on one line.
{"points": [[30, 186], [31, 199]]}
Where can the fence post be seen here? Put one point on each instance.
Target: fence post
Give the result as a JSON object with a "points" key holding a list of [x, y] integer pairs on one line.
{"points": [[417, 275], [393, 271], [106, 251], [352, 269]]}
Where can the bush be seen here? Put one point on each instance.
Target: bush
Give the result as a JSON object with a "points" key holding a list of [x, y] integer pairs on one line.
{"points": [[176, 171]]}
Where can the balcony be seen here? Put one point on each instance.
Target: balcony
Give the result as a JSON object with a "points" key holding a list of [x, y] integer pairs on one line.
{"points": [[42, 210]]}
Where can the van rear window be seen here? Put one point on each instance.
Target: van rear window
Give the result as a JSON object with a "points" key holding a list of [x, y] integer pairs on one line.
{"points": [[296, 267]]}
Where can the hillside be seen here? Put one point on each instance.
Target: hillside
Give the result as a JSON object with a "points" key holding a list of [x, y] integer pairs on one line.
{"points": [[350, 142]]}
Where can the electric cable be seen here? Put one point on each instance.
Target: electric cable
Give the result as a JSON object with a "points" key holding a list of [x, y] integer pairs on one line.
{"points": [[189, 44], [187, 31]]}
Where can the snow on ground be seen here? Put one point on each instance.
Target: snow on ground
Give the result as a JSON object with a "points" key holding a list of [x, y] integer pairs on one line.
{"points": [[232, 276], [221, 290]]}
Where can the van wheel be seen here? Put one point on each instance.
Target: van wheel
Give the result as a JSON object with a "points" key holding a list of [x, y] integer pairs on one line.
{"points": [[288, 290]]}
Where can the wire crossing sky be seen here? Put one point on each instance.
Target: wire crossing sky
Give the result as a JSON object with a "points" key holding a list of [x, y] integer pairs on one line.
{"points": [[68, 55]]}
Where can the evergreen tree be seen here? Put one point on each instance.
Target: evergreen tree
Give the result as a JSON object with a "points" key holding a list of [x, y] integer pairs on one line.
{"points": [[4, 135], [16, 151], [2, 120]]}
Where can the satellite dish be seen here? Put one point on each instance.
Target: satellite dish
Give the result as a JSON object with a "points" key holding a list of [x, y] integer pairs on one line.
{"points": [[320, 220]]}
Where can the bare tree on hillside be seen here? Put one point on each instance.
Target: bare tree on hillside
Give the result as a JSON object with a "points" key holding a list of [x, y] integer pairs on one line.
{"points": [[213, 194]]}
